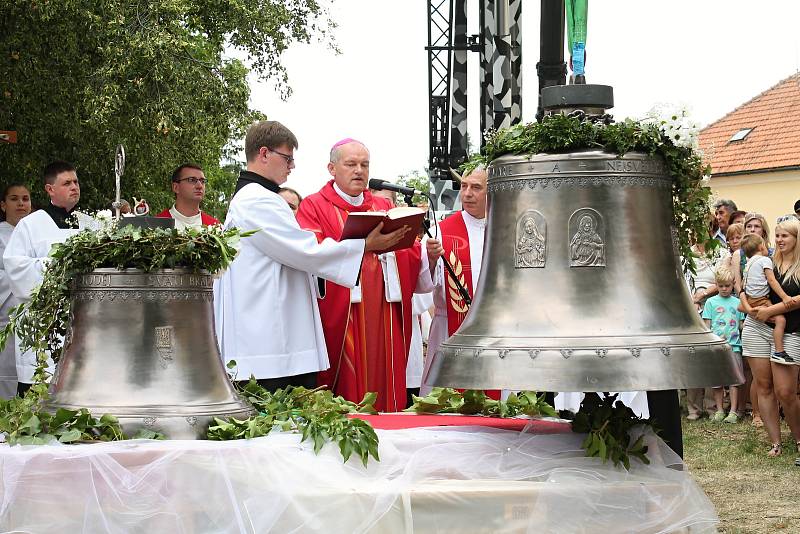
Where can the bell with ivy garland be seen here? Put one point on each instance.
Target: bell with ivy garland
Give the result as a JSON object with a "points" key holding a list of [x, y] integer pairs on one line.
{"points": [[581, 287]]}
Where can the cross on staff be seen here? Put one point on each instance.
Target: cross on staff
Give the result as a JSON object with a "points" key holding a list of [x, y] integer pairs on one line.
{"points": [[119, 170]]}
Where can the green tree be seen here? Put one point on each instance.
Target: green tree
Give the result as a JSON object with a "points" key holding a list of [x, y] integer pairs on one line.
{"points": [[418, 180], [78, 77]]}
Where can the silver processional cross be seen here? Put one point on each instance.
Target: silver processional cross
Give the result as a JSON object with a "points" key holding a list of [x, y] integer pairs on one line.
{"points": [[119, 170]]}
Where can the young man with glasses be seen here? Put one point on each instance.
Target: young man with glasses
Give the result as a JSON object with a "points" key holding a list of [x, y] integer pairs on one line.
{"points": [[189, 186], [265, 304]]}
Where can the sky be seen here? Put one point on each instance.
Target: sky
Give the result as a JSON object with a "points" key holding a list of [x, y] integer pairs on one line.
{"points": [[708, 55]]}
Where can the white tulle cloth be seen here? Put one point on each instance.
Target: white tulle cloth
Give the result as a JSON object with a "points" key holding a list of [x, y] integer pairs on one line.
{"points": [[429, 480]]}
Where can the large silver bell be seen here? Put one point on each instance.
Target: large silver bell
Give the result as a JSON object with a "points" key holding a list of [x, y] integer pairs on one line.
{"points": [[581, 287], [142, 347]]}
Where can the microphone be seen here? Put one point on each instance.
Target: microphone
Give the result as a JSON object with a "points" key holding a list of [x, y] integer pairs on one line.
{"points": [[379, 185]]}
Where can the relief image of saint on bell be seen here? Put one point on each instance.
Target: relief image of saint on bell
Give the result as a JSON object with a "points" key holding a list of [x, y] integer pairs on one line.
{"points": [[587, 248], [530, 251]]}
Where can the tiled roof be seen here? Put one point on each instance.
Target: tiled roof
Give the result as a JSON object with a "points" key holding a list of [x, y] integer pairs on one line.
{"points": [[774, 142]]}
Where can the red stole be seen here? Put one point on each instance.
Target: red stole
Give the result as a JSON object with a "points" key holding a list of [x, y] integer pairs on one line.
{"points": [[455, 241], [367, 342]]}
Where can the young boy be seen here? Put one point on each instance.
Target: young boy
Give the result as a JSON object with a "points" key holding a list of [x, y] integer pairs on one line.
{"points": [[757, 281], [721, 314]]}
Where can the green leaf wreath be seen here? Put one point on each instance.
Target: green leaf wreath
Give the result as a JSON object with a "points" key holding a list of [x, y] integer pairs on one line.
{"points": [[317, 414], [661, 138]]}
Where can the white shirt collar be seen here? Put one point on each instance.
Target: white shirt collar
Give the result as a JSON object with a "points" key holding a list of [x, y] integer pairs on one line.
{"points": [[473, 221], [182, 221], [353, 201]]}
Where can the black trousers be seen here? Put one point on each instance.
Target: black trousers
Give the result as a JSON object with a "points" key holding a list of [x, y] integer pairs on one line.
{"points": [[22, 388], [306, 380], [665, 411], [409, 393]]}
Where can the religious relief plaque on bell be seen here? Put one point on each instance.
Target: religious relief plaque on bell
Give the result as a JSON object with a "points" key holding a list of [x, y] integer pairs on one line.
{"points": [[531, 249], [587, 246]]}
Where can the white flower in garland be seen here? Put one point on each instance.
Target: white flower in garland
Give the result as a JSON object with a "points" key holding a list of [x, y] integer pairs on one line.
{"points": [[675, 123]]}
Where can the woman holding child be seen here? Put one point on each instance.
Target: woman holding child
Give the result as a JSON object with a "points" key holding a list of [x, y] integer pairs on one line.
{"points": [[775, 378]]}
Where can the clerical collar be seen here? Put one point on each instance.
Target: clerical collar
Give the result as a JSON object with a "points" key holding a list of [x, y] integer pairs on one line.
{"points": [[353, 201], [182, 221], [250, 177], [60, 216], [474, 221]]}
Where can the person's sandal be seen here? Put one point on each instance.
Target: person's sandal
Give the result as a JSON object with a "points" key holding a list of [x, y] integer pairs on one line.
{"points": [[775, 451]]}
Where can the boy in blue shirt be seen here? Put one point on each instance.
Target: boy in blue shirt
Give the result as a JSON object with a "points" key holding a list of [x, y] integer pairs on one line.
{"points": [[722, 316]]}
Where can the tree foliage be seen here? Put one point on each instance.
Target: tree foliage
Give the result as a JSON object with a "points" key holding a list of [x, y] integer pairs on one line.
{"points": [[78, 77], [416, 180]]}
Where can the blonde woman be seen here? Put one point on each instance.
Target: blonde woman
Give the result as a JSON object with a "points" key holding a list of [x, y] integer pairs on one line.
{"points": [[754, 223], [777, 381]]}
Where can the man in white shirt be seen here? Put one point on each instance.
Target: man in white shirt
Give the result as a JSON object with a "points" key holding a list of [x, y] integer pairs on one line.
{"points": [[189, 186], [26, 254], [266, 313]]}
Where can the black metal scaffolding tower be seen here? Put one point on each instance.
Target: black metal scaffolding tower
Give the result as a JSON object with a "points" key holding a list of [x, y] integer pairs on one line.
{"points": [[500, 81]]}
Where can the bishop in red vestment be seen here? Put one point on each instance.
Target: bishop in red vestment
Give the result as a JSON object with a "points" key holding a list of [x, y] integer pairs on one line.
{"points": [[367, 334]]}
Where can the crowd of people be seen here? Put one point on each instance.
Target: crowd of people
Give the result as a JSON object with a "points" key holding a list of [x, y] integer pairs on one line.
{"points": [[748, 292], [301, 307]]}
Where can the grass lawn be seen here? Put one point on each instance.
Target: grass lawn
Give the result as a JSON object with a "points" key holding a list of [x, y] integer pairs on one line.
{"points": [[752, 492]]}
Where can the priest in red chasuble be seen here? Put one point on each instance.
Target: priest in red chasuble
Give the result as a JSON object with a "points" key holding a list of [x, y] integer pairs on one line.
{"points": [[461, 243], [368, 328]]}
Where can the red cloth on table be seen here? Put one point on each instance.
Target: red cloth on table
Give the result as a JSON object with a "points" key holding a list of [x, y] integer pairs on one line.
{"points": [[388, 421]]}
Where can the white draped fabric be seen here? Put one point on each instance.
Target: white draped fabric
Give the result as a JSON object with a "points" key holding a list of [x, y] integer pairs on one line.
{"points": [[429, 480]]}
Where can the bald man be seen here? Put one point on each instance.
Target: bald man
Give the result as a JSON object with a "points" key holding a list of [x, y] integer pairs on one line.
{"points": [[367, 328]]}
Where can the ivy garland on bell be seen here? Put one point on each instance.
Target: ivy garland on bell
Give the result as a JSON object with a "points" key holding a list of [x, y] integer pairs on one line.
{"points": [[669, 138]]}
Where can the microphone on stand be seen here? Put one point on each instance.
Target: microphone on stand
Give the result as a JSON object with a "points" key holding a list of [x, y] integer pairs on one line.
{"points": [[383, 185], [409, 192]]}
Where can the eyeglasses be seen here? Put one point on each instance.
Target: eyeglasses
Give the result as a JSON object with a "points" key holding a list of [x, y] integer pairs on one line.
{"points": [[194, 180], [790, 217], [751, 215], [289, 159]]}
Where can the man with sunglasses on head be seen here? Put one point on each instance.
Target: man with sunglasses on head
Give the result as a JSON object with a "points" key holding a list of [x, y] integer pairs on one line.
{"points": [[189, 186]]}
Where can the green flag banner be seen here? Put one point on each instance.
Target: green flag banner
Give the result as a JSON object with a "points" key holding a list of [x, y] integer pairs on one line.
{"points": [[576, 33]]}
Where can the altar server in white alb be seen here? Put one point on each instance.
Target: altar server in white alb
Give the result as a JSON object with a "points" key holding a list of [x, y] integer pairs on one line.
{"points": [[265, 304], [27, 250], [15, 204]]}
